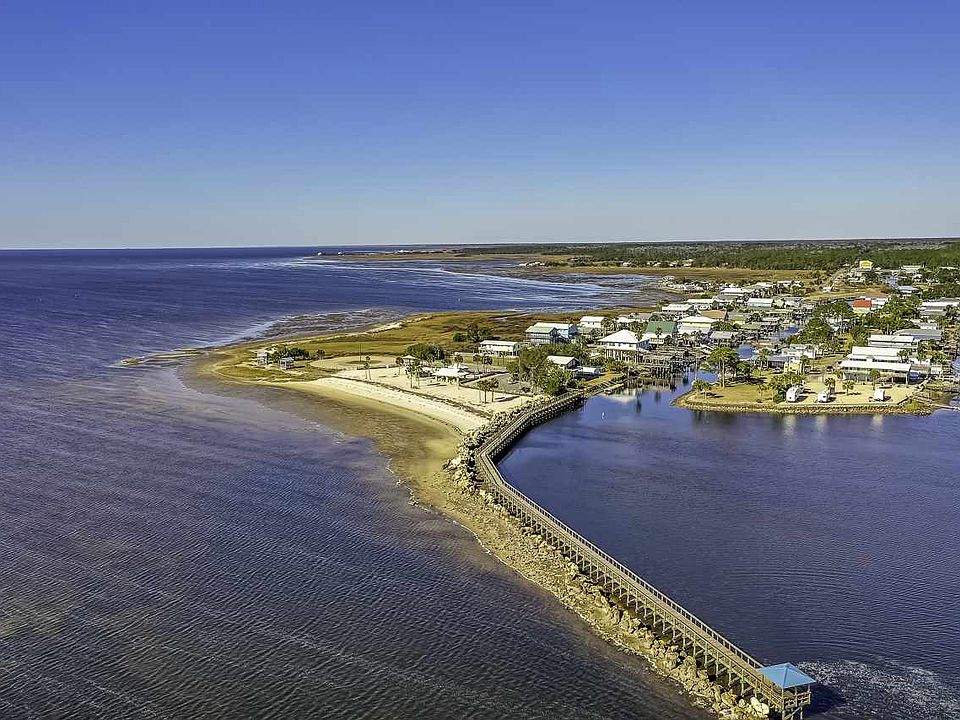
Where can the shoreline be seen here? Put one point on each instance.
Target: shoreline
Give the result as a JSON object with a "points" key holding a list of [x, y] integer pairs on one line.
{"points": [[427, 446]]}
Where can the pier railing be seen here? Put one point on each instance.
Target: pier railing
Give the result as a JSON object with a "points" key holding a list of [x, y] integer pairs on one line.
{"points": [[684, 627]]}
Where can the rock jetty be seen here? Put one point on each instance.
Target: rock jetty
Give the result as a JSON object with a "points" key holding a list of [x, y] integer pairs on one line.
{"points": [[521, 547]]}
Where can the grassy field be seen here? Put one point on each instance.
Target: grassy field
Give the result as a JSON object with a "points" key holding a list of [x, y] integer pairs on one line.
{"points": [[381, 344]]}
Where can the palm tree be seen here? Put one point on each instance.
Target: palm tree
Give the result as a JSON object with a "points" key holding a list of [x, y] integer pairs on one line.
{"points": [[320, 355], [831, 385], [874, 377], [366, 366], [763, 357], [848, 387], [721, 358]]}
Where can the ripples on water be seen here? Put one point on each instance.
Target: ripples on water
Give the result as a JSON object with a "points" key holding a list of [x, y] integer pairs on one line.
{"points": [[171, 554], [825, 540]]}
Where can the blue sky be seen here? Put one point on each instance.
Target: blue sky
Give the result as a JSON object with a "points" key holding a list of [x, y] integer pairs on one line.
{"points": [[248, 123]]}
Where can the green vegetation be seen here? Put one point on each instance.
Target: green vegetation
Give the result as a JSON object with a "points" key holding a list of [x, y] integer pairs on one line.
{"points": [[811, 255], [533, 367]]}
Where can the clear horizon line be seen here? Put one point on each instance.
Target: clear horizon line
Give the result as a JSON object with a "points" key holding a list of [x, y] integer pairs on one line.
{"points": [[506, 243]]}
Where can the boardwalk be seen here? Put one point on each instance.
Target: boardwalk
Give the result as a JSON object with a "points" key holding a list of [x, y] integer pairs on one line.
{"points": [[733, 666]]}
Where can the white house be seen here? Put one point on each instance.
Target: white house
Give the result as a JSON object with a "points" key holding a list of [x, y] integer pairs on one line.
{"points": [[859, 369], [568, 363], [499, 348], [286, 363], [696, 324], [622, 345], [591, 323], [263, 358]]}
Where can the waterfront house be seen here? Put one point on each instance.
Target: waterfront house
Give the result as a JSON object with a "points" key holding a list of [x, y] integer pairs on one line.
{"points": [[778, 362], [563, 361], [286, 363], [859, 370], [591, 324], [623, 345], [499, 348], [545, 333], [263, 358]]}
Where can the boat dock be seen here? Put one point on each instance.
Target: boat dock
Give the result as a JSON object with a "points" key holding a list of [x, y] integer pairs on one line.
{"points": [[784, 688]]}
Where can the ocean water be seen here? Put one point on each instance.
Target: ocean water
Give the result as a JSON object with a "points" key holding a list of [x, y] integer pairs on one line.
{"points": [[826, 541], [170, 553]]}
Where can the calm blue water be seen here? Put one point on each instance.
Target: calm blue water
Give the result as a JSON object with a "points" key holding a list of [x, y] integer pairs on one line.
{"points": [[827, 541], [166, 553]]}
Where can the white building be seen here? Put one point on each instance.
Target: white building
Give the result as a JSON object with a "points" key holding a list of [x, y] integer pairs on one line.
{"points": [[591, 323], [499, 348], [622, 345], [860, 369], [263, 358], [286, 363]]}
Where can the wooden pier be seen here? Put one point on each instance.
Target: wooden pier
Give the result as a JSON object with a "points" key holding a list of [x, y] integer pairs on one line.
{"points": [[732, 666]]}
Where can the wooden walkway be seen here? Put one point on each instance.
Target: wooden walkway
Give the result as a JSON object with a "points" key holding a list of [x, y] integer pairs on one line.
{"points": [[732, 666]]}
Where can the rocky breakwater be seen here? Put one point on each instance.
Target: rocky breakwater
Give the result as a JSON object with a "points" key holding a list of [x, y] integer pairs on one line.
{"points": [[520, 546]]}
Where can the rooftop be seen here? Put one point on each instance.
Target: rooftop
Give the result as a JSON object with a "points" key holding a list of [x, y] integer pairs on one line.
{"points": [[787, 675]]}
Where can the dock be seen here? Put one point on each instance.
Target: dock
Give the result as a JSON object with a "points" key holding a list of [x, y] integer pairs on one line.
{"points": [[784, 688]]}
